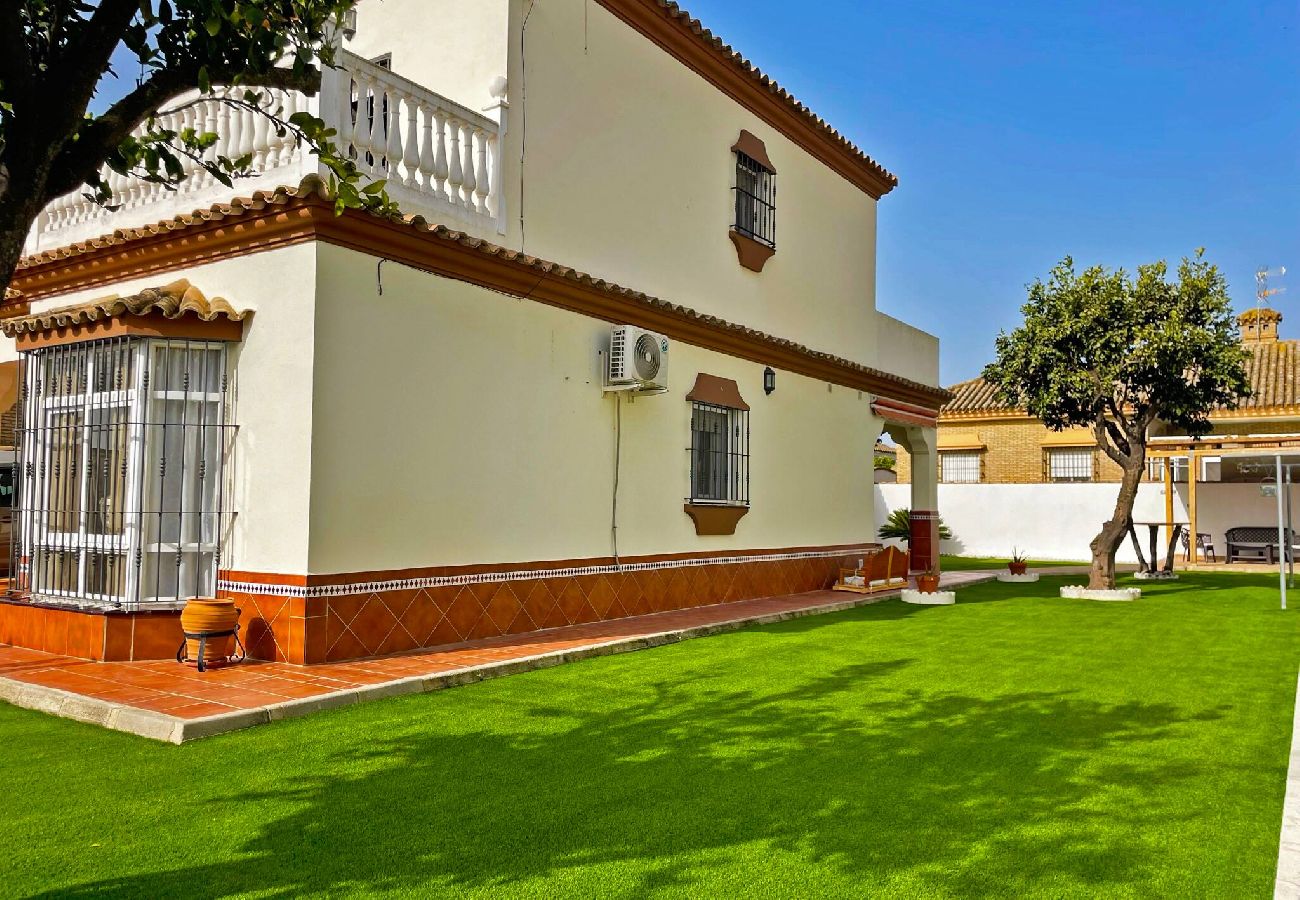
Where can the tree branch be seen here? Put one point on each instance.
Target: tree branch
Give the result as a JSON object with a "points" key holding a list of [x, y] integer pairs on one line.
{"points": [[76, 68], [15, 62]]}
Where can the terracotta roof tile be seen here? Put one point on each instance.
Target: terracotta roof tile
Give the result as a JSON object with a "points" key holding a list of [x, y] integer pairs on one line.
{"points": [[173, 301], [314, 187], [1272, 367], [976, 395], [1274, 370]]}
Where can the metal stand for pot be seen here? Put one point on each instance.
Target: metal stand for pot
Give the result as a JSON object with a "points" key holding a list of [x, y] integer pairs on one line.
{"points": [[203, 637]]}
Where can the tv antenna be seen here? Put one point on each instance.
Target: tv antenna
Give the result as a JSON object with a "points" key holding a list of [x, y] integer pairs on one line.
{"points": [[1262, 290]]}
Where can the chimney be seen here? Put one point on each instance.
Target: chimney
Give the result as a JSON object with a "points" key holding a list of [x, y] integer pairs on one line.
{"points": [[1259, 326]]}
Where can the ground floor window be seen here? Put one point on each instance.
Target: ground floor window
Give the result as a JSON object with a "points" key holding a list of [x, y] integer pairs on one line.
{"points": [[960, 466], [719, 454], [123, 450], [1070, 464]]}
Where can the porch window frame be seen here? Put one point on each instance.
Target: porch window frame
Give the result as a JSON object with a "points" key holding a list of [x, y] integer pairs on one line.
{"points": [[136, 463]]}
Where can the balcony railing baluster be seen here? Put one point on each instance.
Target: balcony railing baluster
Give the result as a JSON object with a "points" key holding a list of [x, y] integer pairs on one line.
{"points": [[440, 159]]}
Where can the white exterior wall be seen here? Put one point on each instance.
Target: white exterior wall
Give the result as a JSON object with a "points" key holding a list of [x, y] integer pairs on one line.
{"points": [[454, 48], [617, 161], [903, 349], [1058, 521], [628, 174], [453, 425], [272, 464]]}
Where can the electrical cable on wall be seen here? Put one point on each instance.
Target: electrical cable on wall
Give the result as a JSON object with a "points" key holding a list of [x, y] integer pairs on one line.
{"points": [[618, 452], [523, 114]]}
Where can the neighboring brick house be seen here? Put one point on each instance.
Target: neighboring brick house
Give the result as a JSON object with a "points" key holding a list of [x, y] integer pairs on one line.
{"points": [[983, 441]]}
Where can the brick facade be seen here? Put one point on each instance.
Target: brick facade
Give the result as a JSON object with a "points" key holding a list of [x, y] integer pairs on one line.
{"points": [[1014, 446], [1013, 453]]}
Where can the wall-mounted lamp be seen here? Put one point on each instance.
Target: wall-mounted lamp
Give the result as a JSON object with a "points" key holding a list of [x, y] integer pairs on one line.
{"points": [[349, 24], [769, 381]]}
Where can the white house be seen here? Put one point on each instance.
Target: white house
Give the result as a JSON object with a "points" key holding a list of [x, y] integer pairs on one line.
{"points": [[380, 435]]}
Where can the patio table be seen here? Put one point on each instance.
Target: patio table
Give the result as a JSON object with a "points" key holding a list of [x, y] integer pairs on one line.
{"points": [[1175, 531]]}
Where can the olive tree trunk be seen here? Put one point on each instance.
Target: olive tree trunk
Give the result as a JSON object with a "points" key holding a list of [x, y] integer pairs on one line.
{"points": [[1106, 544]]}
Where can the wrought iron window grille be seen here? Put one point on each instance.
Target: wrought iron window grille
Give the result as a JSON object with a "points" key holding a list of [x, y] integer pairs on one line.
{"points": [[755, 192], [960, 466], [1070, 464], [719, 454], [123, 452]]}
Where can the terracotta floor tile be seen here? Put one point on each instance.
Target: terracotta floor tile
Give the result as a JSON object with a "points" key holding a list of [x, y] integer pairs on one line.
{"points": [[199, 710], [293, 690], [236, 697], [131, 696]]}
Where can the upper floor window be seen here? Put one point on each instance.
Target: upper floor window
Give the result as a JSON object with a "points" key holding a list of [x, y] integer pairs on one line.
{"points": [[754, 229], [1070, 464], [122, 450], [960, 466], [755, 200]]}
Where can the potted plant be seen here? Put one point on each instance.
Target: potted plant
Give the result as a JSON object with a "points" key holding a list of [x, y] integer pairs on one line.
{"points": [[928, 581], [1018, 564]]}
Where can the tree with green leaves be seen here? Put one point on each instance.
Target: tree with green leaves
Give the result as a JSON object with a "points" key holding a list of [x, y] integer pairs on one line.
{"points": [[1115, 353], [55, 55]]}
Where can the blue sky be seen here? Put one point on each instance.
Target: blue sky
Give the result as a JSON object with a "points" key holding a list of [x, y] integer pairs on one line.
{"points": [[1022, 132]]}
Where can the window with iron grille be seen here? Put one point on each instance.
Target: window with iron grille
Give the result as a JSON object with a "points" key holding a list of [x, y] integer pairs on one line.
{"points": [[1070, 464], [719, 454], [755, 200], [123, 447], [960, 466]]}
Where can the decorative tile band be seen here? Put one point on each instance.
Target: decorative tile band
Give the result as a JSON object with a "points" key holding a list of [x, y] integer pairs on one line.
{"points": [[375, 587]]}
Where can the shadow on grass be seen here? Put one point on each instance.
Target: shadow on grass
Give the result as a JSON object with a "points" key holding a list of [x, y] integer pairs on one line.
{"points": [[866, 776]]}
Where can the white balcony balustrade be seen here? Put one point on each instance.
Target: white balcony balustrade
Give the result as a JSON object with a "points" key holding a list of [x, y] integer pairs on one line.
{"points": [[439, 159]]}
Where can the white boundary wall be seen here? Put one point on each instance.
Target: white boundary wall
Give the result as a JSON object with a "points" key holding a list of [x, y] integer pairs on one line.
{"points": [[1057, 521]]}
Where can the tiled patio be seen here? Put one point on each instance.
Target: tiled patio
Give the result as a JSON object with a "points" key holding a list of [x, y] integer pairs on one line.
{"points": [[175, 702]]}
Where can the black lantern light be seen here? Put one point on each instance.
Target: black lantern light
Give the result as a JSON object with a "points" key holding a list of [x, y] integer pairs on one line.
{"points": [[769, 381]]}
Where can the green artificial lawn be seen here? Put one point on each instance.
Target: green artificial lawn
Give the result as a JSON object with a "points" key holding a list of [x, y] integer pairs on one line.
{"points": [[1014, 745], [972, 563]]}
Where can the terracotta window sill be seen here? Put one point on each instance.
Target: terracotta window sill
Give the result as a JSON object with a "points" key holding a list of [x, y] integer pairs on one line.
{"points": [[753, 255], [714, 519]]}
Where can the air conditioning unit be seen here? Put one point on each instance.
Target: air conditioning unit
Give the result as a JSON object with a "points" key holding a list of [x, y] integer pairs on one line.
{"points": [[638, 361]]}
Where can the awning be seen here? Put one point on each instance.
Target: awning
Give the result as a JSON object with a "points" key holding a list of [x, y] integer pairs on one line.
{"points": [[176, 310], [898, 413], [960, 440], [1071, 437]]}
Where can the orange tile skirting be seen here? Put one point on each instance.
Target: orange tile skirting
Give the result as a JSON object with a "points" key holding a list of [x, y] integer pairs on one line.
{"points": [[89, 634], [320, 619]]}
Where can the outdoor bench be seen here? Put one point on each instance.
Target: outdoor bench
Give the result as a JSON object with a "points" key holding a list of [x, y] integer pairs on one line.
{"points": [[1251, 542]]}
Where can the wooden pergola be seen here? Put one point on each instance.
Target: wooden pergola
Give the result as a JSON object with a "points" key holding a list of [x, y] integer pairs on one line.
{"points": [[1280, 451]]}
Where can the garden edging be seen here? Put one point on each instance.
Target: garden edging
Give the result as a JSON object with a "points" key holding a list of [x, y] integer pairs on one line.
{"points": [[1287, 886]]}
